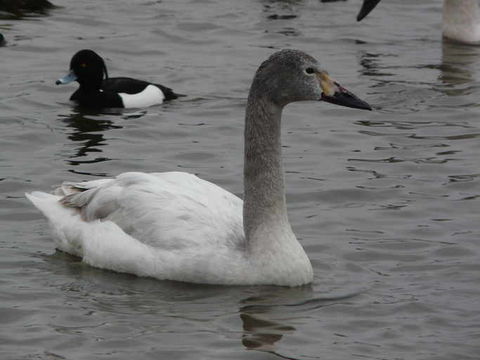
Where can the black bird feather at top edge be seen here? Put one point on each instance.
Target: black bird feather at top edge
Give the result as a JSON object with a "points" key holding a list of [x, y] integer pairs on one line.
{"points": [[367, 6]]}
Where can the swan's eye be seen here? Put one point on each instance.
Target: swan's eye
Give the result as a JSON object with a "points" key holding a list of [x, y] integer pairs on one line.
{"points": [[309, 71]]}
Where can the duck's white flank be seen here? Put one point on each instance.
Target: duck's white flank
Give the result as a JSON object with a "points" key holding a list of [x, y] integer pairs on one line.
{"points": [[151, 95], [461, 21]]}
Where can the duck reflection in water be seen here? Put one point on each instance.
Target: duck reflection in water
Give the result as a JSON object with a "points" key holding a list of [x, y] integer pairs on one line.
{"points": [[87, 131]]}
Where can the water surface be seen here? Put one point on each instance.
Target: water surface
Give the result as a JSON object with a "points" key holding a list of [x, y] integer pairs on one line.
{"points": [[385, 202]]}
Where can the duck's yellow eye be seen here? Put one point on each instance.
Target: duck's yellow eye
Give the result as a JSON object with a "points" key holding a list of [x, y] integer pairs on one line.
{"points": [[83, 65]]}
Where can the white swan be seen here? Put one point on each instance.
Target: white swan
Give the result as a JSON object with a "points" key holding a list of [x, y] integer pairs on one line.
{"points": [[177, 226], [461, 19]]}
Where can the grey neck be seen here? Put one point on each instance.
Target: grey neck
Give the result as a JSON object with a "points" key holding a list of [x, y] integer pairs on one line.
{"points": [[264, 196]]}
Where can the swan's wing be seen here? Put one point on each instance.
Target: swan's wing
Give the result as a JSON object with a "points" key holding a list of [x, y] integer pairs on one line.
{"points": [[168, 225], [169, 211]]}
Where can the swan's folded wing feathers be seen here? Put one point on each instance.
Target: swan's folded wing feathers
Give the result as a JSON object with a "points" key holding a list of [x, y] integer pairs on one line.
{"points": [[177, 210], [75, 199], [94, 199], [171, 210], [70, 187]]}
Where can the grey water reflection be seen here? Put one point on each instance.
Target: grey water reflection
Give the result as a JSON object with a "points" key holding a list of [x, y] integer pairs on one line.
{"points": [[284, 11], [264, 319], [370, 63], [458, 67], [268, 315], [267, 318], [446, 80], [280, 10]]}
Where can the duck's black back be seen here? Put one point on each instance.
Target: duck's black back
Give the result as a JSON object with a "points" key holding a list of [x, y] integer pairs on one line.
{"points": [[133, 86]]}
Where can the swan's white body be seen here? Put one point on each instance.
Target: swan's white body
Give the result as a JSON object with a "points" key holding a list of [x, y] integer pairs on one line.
{"points": [[172, 226], [461, 21]]}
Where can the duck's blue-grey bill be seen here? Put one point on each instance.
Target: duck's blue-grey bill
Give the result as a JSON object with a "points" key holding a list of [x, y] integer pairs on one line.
{"points": [[66, 79], [367, 6], [343, 97]]}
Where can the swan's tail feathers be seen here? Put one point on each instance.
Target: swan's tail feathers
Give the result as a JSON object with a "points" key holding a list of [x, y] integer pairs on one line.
{"points": [[99, 243], [48, 204], [64, 222], [76, 194]]}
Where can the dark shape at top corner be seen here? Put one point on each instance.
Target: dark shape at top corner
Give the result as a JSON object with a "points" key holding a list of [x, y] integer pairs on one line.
{"points": [[19, 8], [367, 7]]}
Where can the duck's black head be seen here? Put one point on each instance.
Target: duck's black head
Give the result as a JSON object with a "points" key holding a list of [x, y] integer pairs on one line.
{"points": [[86, 67]]}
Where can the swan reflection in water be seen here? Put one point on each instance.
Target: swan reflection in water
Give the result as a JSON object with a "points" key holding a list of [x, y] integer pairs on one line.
{"points": [[454, 74], [458, 67], [267, 319]]}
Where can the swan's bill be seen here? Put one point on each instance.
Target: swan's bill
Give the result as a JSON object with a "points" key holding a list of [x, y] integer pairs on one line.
{"points": [[336, 94], [367, 7]]}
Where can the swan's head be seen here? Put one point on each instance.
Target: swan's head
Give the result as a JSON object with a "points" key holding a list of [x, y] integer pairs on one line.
{"points": [[86, 67], [292, 75], [367, 6]]}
